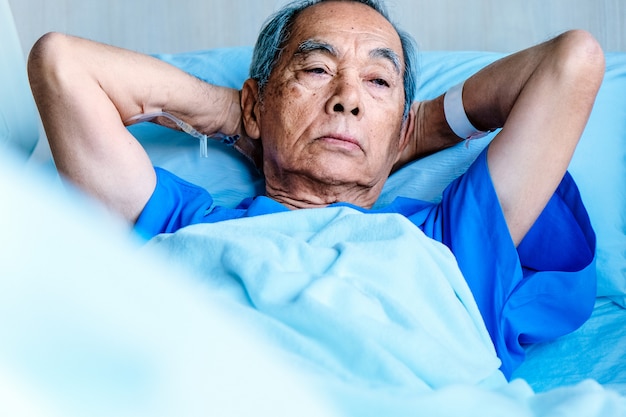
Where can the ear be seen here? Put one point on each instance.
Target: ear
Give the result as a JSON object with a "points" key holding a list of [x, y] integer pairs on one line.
{"points": [[250, 107]]}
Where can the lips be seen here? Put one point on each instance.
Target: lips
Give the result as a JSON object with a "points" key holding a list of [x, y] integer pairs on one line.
{"points": [[346, 140]]}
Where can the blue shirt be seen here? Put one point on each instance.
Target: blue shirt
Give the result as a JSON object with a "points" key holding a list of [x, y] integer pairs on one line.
{"points": [[539, 291]]}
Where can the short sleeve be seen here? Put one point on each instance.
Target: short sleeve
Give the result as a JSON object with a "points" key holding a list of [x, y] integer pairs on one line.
{"points": [[537, 292], [175, 203]]}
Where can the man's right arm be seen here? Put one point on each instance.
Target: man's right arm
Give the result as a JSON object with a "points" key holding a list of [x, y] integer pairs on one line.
{"points": [[86, 90]]}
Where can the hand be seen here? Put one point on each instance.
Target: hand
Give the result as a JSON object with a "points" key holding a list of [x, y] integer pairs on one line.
{"points": [[252, 149], [430, 131], [231, 128]]}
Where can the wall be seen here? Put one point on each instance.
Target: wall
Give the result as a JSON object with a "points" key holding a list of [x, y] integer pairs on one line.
{"points": [[182, 25]]}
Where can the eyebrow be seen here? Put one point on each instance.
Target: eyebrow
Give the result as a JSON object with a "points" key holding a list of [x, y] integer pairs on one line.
{"points": [[388, 54], [311, 45]]}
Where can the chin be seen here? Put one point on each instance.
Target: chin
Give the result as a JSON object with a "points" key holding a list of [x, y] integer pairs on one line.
{"points": [[333, 171], [336, 173]]}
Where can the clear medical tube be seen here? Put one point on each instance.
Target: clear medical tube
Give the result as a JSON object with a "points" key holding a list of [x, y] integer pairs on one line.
{"points": [[185, 127]]}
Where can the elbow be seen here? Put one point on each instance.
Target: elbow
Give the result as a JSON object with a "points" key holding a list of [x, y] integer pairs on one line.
{"points": [[46, 48], [47, 61], [581, 60]]}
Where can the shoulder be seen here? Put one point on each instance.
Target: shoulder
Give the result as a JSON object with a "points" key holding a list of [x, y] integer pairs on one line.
{"points": [[175, 203]]}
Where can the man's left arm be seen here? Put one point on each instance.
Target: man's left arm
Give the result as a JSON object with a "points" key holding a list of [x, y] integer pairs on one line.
{"points": [[541, 97]]}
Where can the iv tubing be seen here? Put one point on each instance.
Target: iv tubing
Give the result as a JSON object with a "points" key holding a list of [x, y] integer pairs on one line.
{"points": [[185, 127]]}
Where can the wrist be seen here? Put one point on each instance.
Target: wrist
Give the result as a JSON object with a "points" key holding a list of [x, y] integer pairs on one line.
{"points": [[456, 117], [208, 109], [229, 117]]}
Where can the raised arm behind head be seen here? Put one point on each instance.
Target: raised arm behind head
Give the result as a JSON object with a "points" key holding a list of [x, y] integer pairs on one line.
{"points": [[541, 97], [86, 90]]}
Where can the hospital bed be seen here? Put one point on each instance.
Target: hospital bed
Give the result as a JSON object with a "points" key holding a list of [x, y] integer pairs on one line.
{"points": [[235, 320]]}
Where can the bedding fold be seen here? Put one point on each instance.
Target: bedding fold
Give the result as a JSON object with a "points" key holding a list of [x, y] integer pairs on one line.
{"points": [[367, 298]]}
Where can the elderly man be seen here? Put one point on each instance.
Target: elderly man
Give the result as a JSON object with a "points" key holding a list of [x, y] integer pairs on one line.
{"points": [[329, 99]]}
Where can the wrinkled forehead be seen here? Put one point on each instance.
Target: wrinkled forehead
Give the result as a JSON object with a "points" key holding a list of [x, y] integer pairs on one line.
{"points": [[345, 24]]}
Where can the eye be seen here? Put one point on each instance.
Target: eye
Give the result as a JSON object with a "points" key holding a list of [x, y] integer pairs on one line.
{"points": [[380, 82], [316, 70]]}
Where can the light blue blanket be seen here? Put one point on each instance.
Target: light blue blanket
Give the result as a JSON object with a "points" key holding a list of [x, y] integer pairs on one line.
{"points": [[364, 297], [91, 324]]}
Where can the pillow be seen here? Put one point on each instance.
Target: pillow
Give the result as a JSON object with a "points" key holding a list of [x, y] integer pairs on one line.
{"points": [[598, 166]]}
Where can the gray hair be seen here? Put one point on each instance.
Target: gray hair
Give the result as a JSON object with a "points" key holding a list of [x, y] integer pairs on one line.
{"points": [[277, 30]]}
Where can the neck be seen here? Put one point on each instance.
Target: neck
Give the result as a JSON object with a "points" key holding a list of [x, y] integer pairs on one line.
{"points": [[305, 193]]}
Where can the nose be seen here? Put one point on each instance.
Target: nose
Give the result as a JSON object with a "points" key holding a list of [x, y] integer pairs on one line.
{"points": [[345, 97]]}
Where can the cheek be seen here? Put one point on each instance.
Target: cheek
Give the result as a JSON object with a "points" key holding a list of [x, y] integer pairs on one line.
{"points": [[387, 150], [286, 109], [284, 92]]}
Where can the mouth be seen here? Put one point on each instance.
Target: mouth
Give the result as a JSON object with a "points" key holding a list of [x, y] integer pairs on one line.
{"points": [[346, 142]]}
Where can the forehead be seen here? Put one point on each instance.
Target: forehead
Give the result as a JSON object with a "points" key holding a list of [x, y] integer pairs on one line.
{"points": [[345, 24]]}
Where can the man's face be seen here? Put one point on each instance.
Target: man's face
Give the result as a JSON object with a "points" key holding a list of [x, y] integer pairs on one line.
{"points": [[331, 113]]}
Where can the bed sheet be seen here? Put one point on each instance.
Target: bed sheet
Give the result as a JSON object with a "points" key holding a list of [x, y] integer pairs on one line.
{"points": [[597, 350]]}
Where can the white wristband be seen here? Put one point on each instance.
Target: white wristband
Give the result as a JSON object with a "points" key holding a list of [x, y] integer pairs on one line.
{"points": [[455, 114]]}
